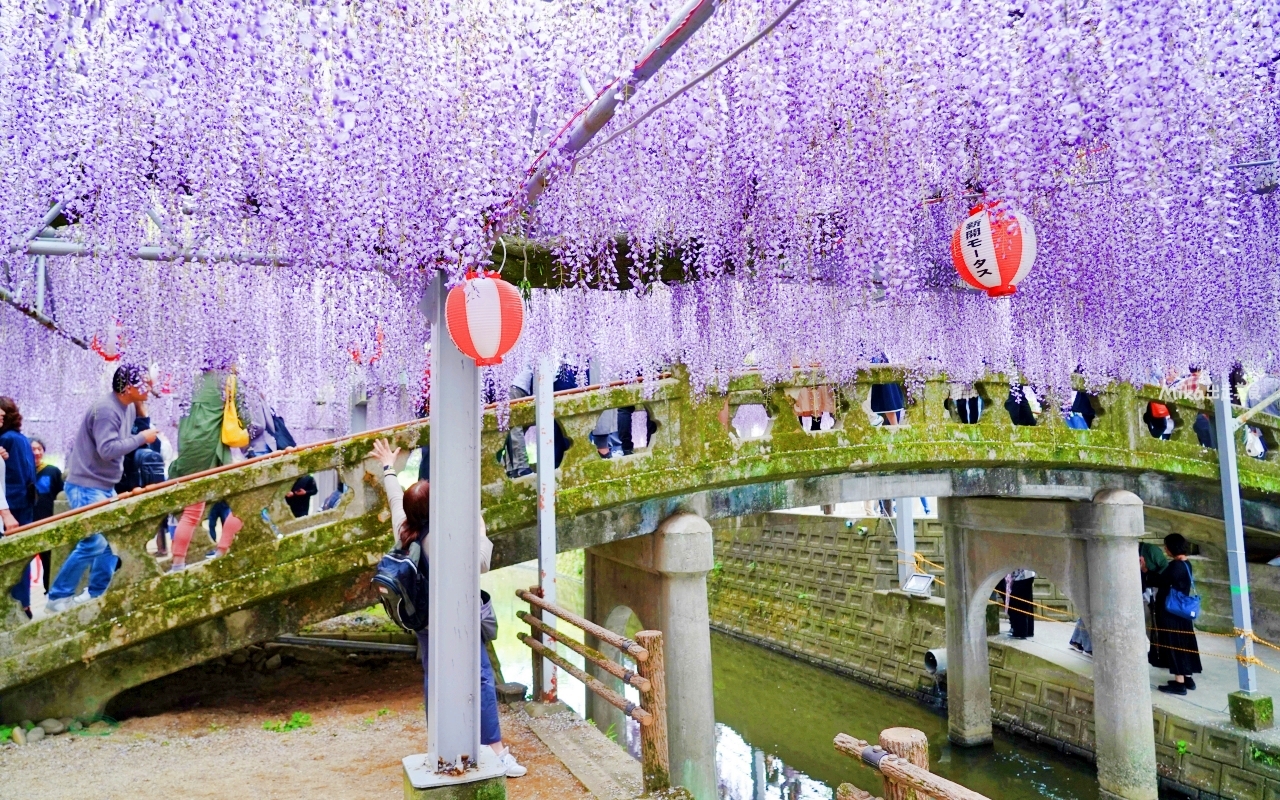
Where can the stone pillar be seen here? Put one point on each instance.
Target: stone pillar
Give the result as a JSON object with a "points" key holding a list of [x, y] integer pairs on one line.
{"points": [[603, 713], [968, 671], [1121, 683], [662, 577]]}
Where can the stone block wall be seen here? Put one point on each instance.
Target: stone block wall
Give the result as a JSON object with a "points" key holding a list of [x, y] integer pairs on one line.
{"points": [[822, 588], [1041, 701]]}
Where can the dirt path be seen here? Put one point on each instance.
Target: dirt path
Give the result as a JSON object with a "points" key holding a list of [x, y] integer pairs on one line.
{"points": [[199, 734]]}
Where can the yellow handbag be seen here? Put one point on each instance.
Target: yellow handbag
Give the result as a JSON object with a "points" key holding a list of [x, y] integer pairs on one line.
{"points": [[233, 433]]}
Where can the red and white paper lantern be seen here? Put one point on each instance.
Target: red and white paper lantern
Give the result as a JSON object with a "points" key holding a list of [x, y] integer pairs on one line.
{"points": [[993, 249], [484, 315]]}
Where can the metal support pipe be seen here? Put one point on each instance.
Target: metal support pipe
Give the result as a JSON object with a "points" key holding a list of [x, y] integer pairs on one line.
{"points": [[1237, 567], [682, 25], [7, 297], [453, 651], [906, 535], [40, 283], [62, 247], [545, 420], [48, 218]]}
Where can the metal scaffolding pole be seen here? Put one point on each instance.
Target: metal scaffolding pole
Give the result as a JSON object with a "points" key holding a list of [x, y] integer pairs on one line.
{"points": [[682, 25], [544, 411], [1237, 567], [453, 654], [43, 246]]}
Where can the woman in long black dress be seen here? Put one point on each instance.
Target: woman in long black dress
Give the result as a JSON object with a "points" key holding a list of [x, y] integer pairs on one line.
{"points": [[1173, 643]]}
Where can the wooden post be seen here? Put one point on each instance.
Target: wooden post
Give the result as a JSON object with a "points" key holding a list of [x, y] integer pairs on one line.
{"points": [[910, 744], [538, 660], [927, 785], [655, 759]]}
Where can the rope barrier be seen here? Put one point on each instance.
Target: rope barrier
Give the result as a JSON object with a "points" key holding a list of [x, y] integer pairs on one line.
{"points": [[919, 559]]}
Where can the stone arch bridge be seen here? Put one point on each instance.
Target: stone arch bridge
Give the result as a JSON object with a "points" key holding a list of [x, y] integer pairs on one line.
{"points": [[285, 572]]}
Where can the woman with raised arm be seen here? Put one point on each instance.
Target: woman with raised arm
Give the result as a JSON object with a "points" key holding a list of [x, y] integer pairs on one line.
{"points": [[409, 522]]}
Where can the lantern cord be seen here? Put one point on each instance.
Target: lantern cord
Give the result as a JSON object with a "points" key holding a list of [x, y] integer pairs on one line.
{"points": [[786, 12]]}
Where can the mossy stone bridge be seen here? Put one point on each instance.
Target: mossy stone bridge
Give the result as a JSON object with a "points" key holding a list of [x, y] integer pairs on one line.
{"points": [[283, 572]]}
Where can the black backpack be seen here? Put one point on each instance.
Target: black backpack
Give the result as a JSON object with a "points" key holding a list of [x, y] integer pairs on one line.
{"points": [[150, 466], [402, 579], [282, 436]]}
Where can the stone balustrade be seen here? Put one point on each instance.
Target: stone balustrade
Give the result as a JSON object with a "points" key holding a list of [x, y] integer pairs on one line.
{"points": [[283, 572]]}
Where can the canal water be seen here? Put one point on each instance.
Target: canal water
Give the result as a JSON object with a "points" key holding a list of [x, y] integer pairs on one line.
{"points": [[777, 717]]}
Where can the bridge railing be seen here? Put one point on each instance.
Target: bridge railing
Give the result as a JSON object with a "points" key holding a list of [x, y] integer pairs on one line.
{"points": [[685, 442], [649, 678]]}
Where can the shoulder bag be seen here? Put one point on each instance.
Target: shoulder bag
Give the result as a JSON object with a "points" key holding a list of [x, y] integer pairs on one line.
{"points": [[234, 433], [1183, 605]]}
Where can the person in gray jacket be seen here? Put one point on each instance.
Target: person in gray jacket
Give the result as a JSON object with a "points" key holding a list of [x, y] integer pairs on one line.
{"points": [[94, 467]]}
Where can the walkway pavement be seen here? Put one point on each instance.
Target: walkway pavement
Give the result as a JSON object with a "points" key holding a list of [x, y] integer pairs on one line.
{"points": [[1208, 703]]}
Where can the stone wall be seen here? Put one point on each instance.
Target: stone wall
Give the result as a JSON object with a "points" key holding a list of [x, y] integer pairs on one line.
{"points": [[820, 588]]}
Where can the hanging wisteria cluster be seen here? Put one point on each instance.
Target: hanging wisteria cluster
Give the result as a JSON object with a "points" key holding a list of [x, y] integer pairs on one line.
{"points": [[812, 184]]}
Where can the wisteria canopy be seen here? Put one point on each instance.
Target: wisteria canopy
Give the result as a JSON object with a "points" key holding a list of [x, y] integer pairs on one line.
{"points": [[810, 187]]}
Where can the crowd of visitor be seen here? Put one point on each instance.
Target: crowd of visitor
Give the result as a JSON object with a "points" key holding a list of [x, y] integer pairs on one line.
{"points": [[115, 450]]}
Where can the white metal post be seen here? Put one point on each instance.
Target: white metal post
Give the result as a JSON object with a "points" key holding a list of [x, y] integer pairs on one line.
{"points": [[453, 652], [40, 283], [1237, 567], [545, 419], [906, 535]]}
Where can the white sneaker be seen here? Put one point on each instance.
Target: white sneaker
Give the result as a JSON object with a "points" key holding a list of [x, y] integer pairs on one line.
{"points": [[514, 770], [63, 603]]}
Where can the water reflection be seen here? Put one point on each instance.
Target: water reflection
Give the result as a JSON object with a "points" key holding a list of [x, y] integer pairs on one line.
{"points": [[778, 717], [750, 774]]}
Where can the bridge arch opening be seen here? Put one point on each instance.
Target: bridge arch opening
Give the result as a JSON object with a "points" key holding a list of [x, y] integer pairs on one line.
{"points": [[607, 718], [1090, 550], [751, 421]]}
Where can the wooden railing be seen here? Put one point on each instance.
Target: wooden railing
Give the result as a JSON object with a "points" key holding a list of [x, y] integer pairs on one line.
{"points": [[649, 678], [902, 759]]}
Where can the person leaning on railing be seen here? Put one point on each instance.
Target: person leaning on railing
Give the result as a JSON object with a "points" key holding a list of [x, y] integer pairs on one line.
{"points": [[409, 520]]}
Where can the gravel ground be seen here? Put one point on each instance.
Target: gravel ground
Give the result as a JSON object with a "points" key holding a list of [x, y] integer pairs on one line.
{"points": [[198, 734]]}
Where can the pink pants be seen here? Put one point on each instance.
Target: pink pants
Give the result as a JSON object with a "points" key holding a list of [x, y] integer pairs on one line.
{"points": [[187, 526]]}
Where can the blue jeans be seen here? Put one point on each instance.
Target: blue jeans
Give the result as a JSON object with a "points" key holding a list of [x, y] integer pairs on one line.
{"points": [[218, 513], [21, 591], [490, 730], [92, 552], [611, 441]]}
